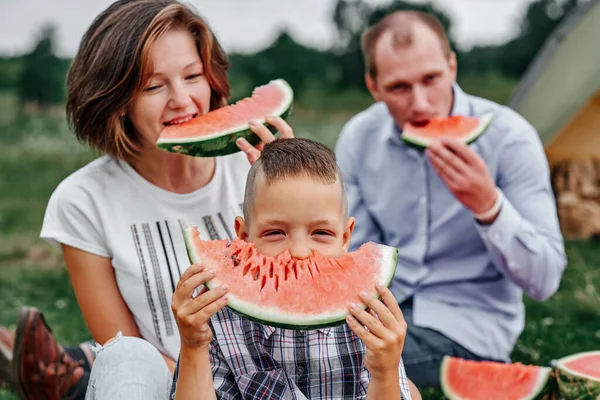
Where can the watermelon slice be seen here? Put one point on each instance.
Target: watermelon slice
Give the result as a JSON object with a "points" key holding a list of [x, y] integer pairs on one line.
{"points": [[578, 375], [487, 380], [292, 293], [215, 133], [464, 128]]}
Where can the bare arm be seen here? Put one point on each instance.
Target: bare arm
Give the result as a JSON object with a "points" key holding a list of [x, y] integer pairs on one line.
{"points": [[194, 375], [99, 298], [192, 314]]}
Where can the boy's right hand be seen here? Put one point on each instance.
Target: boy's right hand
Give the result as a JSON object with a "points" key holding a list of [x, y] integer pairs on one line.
{"points": [[192, 314]]}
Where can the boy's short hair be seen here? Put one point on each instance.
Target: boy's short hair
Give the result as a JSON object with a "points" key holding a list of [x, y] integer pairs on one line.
{"points": [[293, 157]]}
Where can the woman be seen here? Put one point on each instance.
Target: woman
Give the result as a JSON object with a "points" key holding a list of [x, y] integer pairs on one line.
{"points": [[142, 65]]}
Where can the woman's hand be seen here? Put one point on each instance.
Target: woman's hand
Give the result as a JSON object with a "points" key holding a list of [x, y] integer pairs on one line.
{"points": [[265, 135], [192, 314]]}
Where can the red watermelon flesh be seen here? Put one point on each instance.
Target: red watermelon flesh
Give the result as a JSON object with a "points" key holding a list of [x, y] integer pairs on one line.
{"points": [[265, 100], [460, 127], [488, 380], [290, 292], [586, 365], [215, 133], [578, 375]]}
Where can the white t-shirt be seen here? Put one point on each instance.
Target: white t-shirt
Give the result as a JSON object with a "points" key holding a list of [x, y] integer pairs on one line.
{"points": [[107, 208]]}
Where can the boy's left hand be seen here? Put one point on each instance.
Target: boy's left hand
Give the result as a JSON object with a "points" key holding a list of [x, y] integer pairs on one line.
{"points": [[384, 334]]}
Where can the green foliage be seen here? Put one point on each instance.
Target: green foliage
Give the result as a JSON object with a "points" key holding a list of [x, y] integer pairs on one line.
{"points": [[285, 58], [42, 76], [541, 18]]}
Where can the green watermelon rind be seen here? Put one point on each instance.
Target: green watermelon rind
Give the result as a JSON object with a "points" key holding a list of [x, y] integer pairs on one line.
{"points": [[223, 143], [575, 385], [414, 140], [544, 389], [275, 317]]}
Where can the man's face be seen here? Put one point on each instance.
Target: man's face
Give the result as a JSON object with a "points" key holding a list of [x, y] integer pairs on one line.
{"points": [[414, 80]]}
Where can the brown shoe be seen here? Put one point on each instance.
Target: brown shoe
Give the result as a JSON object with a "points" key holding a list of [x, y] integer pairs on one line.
{"points": [[7, 342], [41, 367]]}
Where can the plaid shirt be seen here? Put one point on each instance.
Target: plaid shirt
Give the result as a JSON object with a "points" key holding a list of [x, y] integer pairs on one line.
{"points": [[255, 361]]}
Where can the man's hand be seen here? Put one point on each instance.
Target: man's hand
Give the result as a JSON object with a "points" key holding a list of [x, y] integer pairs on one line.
{"points": [[265, 135], [383, 330], [465, 174]]}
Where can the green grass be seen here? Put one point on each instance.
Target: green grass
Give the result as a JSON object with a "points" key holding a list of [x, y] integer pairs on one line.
{"points": [[36, 153]]}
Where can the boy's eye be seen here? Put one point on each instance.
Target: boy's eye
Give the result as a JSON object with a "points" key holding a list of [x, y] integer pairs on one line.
{"points": [[322, 232], [273, 233]]}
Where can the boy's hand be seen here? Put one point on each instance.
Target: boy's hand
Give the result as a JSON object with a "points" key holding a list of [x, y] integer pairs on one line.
{"points": [[265, 135], [192, 314], [385, 333]]}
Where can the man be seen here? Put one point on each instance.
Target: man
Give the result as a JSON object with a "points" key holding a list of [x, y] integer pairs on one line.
{"points": [[476, 226]]}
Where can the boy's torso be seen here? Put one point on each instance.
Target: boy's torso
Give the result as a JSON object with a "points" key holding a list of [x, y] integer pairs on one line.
{"points": [[321, 363]]}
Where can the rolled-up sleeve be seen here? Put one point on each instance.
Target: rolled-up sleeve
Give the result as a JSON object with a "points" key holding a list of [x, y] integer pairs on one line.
{"points": [[525, 239]]}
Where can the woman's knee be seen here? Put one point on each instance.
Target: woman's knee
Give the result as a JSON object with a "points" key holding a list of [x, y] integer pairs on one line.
{"points": [[127, 349]]}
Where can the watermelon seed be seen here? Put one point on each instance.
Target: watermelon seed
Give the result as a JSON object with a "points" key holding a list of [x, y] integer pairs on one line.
{"points": [[295, 268], [263, 282], [271, 269], [276, 283], [246, 269], [256, 273], [285, 275]]}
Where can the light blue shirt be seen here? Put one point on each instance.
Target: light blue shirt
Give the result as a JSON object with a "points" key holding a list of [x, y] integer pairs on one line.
{"points": [[466, 279]]}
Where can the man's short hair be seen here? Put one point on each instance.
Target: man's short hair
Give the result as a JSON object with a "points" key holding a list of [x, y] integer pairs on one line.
{"points": [[400, 23], [293, 157]]}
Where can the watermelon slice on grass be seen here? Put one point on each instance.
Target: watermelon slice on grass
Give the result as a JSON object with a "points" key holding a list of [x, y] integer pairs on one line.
{"points": [[487, 380], [578, 375], [463, 128], [215, 133], [292, 293]]}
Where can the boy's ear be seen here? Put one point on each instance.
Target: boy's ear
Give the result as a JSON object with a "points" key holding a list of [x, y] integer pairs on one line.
{"points": [[348, 233], [241, 230]]}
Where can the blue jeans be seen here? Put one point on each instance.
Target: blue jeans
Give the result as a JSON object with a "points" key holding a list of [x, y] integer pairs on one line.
{"points": [[424, 349], [129, 368]]}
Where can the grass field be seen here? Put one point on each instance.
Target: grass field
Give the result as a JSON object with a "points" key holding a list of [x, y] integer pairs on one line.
{"points": [[36, 153]]}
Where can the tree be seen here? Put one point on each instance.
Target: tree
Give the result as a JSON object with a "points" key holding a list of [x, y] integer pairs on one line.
{"points": [[42, 76], [285, 58], [541, 19]]}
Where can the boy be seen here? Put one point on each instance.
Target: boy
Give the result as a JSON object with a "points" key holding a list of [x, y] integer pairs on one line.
{"points": [[294, 199]]}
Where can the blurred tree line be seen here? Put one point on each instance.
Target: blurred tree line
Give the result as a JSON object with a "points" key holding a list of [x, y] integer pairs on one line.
{"points": [[39, 75]]}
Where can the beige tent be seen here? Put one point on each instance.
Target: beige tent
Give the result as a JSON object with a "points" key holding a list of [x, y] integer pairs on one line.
{"points": [[560, 95]]}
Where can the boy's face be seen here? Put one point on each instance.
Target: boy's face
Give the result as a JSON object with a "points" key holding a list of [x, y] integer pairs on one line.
{"points": [[299, 214]]}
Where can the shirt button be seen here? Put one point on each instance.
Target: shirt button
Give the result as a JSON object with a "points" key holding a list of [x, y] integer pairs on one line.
{"points": [[422, 200], [511, 264], [497, 237], [300, 370]]}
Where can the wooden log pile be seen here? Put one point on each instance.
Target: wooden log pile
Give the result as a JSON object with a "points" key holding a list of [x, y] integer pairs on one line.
{"points": [[576, 184]]}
